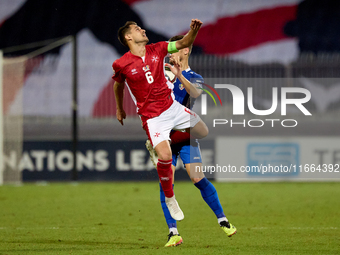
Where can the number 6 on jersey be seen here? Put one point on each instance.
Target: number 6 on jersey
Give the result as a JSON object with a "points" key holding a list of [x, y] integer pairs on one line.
{"points": [[149, 77]]}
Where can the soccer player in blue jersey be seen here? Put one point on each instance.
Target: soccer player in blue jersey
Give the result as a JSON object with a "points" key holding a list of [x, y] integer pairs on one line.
{"points": [[186, 89]]}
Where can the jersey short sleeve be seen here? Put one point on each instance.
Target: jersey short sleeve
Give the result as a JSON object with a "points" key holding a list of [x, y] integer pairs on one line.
{"points": [[161, 47], [117, 73]]}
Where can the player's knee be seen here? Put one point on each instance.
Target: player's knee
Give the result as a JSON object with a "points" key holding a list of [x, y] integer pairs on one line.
{"points": [[202, 130], [205, 130], [164, 155], [163, 151], [196, 179]]}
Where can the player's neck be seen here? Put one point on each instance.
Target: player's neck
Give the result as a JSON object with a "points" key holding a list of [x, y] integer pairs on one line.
{"points": [[185, 64], [138, 49]]}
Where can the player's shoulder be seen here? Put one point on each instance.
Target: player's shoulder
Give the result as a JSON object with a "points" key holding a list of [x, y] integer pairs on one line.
{"points": [[190, 73], [122, 61], [194, 74], [156, 45]]}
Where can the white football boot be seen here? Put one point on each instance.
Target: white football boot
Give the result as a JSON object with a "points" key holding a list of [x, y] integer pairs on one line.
{"points": [[175, 212]]}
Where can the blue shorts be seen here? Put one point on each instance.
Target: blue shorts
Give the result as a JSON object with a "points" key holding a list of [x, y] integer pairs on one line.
{"points": [[189, 152]]}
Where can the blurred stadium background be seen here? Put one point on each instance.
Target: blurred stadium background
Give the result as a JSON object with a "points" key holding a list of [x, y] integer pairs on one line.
{"points": [[290, 40]]}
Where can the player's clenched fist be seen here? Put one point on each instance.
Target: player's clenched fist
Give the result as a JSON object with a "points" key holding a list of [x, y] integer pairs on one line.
{"points": [[196, 24], [120, 114]]}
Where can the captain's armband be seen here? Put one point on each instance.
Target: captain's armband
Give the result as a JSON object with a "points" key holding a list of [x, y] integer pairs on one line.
{"points": [[172, 47]]}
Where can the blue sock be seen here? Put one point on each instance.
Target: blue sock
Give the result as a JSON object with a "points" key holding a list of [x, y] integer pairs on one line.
{"points": [[169, 220], [210, 196]]}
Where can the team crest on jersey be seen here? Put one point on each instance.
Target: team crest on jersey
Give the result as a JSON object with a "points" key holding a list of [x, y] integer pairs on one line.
{"points": [[154, 59], [146, 68], [181, 87]]}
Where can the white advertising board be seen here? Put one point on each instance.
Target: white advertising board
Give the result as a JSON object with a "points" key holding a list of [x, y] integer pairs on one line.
{"points": [[277, 159]]}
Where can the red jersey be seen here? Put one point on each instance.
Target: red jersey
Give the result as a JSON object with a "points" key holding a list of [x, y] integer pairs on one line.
{"points": [[145, 78]]}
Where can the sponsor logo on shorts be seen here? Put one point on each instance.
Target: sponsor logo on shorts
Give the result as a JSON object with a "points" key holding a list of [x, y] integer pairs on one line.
{"points": [[157, 134]]}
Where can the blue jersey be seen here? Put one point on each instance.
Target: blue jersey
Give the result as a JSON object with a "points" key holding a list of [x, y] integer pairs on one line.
{"points": [[181, 94], [189, 152]]}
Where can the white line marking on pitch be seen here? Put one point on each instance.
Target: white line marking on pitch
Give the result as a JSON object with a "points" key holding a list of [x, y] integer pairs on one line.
{"points": [[298, 228]]}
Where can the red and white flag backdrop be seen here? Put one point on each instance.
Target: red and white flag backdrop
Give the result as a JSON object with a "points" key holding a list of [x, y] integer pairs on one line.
{"points": [[248, 31]]}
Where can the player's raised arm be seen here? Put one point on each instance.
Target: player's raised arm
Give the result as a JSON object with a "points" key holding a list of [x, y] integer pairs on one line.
{"points": [[189, 38], [118, 89]]}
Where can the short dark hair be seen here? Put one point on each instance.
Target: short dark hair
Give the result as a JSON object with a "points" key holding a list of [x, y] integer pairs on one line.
{"points": [[177, 38], [122, 31]]}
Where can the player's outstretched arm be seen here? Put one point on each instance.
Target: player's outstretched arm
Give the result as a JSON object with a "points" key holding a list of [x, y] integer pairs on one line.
{"points": [[118, 89], [189, 38]]}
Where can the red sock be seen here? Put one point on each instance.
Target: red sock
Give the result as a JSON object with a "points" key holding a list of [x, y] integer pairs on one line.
{"points": [[179, 137], [165, 176]]}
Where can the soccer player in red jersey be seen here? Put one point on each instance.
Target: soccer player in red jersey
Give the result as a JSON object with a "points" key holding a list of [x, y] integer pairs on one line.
{"points": [[142, 70]]}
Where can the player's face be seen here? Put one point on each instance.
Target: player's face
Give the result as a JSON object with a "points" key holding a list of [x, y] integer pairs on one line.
{"points": [[138, 34], [181, 54]]}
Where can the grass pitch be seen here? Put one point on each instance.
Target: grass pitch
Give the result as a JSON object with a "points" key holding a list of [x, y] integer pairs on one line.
{"points": [[126, 218]]}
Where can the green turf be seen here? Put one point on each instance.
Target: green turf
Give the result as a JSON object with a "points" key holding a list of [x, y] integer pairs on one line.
{"points": [[126, 218]]}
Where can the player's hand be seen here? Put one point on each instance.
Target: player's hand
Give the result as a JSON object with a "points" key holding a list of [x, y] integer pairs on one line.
{"points": [[120, 116], [176, 68], [196, 24]]}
